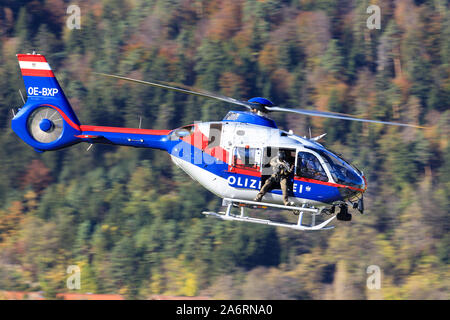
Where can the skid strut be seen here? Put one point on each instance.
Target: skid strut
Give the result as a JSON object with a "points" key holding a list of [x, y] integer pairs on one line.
{"points": [[242, 204]]}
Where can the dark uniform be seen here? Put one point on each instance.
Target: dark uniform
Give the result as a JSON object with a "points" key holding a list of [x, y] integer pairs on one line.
{"points": [[281, 172]]}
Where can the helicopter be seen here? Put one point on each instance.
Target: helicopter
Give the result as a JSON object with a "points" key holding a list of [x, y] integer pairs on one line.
{"points": [[229, 157]]}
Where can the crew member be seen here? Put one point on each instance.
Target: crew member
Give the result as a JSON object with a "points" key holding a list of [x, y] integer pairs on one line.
{"points": [[281, 171]]}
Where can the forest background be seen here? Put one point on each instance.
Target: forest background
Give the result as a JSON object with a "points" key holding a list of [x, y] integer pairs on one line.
{"points": [[131, 220]]}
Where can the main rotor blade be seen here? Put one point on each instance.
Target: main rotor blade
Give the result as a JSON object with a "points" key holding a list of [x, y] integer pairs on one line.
{"points": [[183, 89], [324, 114]]}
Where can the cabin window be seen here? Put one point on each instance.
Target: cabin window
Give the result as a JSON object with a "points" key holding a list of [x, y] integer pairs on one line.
{"points": [[308, 166], [246, 158]]}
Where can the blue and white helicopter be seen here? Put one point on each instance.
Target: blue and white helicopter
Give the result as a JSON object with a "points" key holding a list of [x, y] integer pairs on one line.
{"points": [[230, 157]]}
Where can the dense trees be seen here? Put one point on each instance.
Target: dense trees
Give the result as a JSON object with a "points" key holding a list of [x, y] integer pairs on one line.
{"points": [[131, 220]]}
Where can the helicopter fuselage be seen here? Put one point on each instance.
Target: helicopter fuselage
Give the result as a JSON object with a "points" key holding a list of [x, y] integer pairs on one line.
{"points": [[231, 158]]}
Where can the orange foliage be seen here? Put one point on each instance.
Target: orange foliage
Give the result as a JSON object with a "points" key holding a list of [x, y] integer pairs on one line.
{"points": [[88, 296], [231, 83], [314, 32], [169, 53], [267, 57], [8, 18], [342, 91], [10, 220], [133, 45], [56, 10], [429, 29], [325, 89], [282, 80], [404, 84], [325, 86], [37, 175], [96, 9], [209, 8], [405, 14], [242, 38], [226, 22]]}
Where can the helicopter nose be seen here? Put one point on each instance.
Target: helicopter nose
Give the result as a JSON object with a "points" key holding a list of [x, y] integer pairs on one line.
{"points": [[364, 186]]}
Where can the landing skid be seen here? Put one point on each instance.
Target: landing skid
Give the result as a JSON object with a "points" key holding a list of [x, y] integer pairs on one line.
{"points": [[242, 204]]}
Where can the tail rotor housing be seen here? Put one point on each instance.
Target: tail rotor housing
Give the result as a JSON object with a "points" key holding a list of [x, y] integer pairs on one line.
{"points": [[46, 121]]}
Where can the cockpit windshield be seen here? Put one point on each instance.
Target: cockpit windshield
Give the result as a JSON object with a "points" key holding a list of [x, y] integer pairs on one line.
{"points": [[341, 171], [308, 166]]}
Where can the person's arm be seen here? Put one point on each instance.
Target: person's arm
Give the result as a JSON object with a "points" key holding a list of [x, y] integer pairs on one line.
{"points": [[288, 166], [273, 162]]}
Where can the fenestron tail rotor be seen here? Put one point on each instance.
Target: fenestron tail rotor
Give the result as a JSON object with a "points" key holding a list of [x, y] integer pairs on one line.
{"points": [[45, 125], [255, 104]]}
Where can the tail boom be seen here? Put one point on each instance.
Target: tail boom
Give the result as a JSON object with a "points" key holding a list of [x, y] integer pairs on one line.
{"points": [[133, 137]]}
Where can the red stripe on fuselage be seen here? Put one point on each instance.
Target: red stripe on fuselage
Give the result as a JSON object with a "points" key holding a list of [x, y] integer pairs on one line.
{"points": [[245, 171], [258, 174], [331, 184], [125, 130]]}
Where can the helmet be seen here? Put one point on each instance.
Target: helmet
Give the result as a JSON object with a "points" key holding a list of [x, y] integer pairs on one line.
{"points": [[281, 155]]}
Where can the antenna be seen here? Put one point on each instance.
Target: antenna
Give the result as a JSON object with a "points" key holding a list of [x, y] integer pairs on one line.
{"points": [[309, 132], [140, 121], [21, 95]]}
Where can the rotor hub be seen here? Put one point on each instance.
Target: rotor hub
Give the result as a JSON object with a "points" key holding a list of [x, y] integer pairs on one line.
{"points": [[45, 125], [260, 104]]}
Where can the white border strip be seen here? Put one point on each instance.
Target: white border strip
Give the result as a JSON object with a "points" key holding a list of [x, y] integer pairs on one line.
{"points": [[34, 65]]}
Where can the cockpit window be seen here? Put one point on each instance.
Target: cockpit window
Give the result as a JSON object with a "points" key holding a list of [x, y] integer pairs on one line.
{"points": [[341, 171], [308, 166]]}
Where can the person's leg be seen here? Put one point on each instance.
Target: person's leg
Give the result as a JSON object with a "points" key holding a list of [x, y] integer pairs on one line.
{"points": [[284, 188], [264, 189]]}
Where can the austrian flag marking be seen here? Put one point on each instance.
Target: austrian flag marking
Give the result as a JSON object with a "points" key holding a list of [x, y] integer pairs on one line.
{"points": [[34, 65]]}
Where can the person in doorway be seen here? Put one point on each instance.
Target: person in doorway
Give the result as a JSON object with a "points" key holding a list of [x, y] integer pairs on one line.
{"points": [[281, 172]]}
